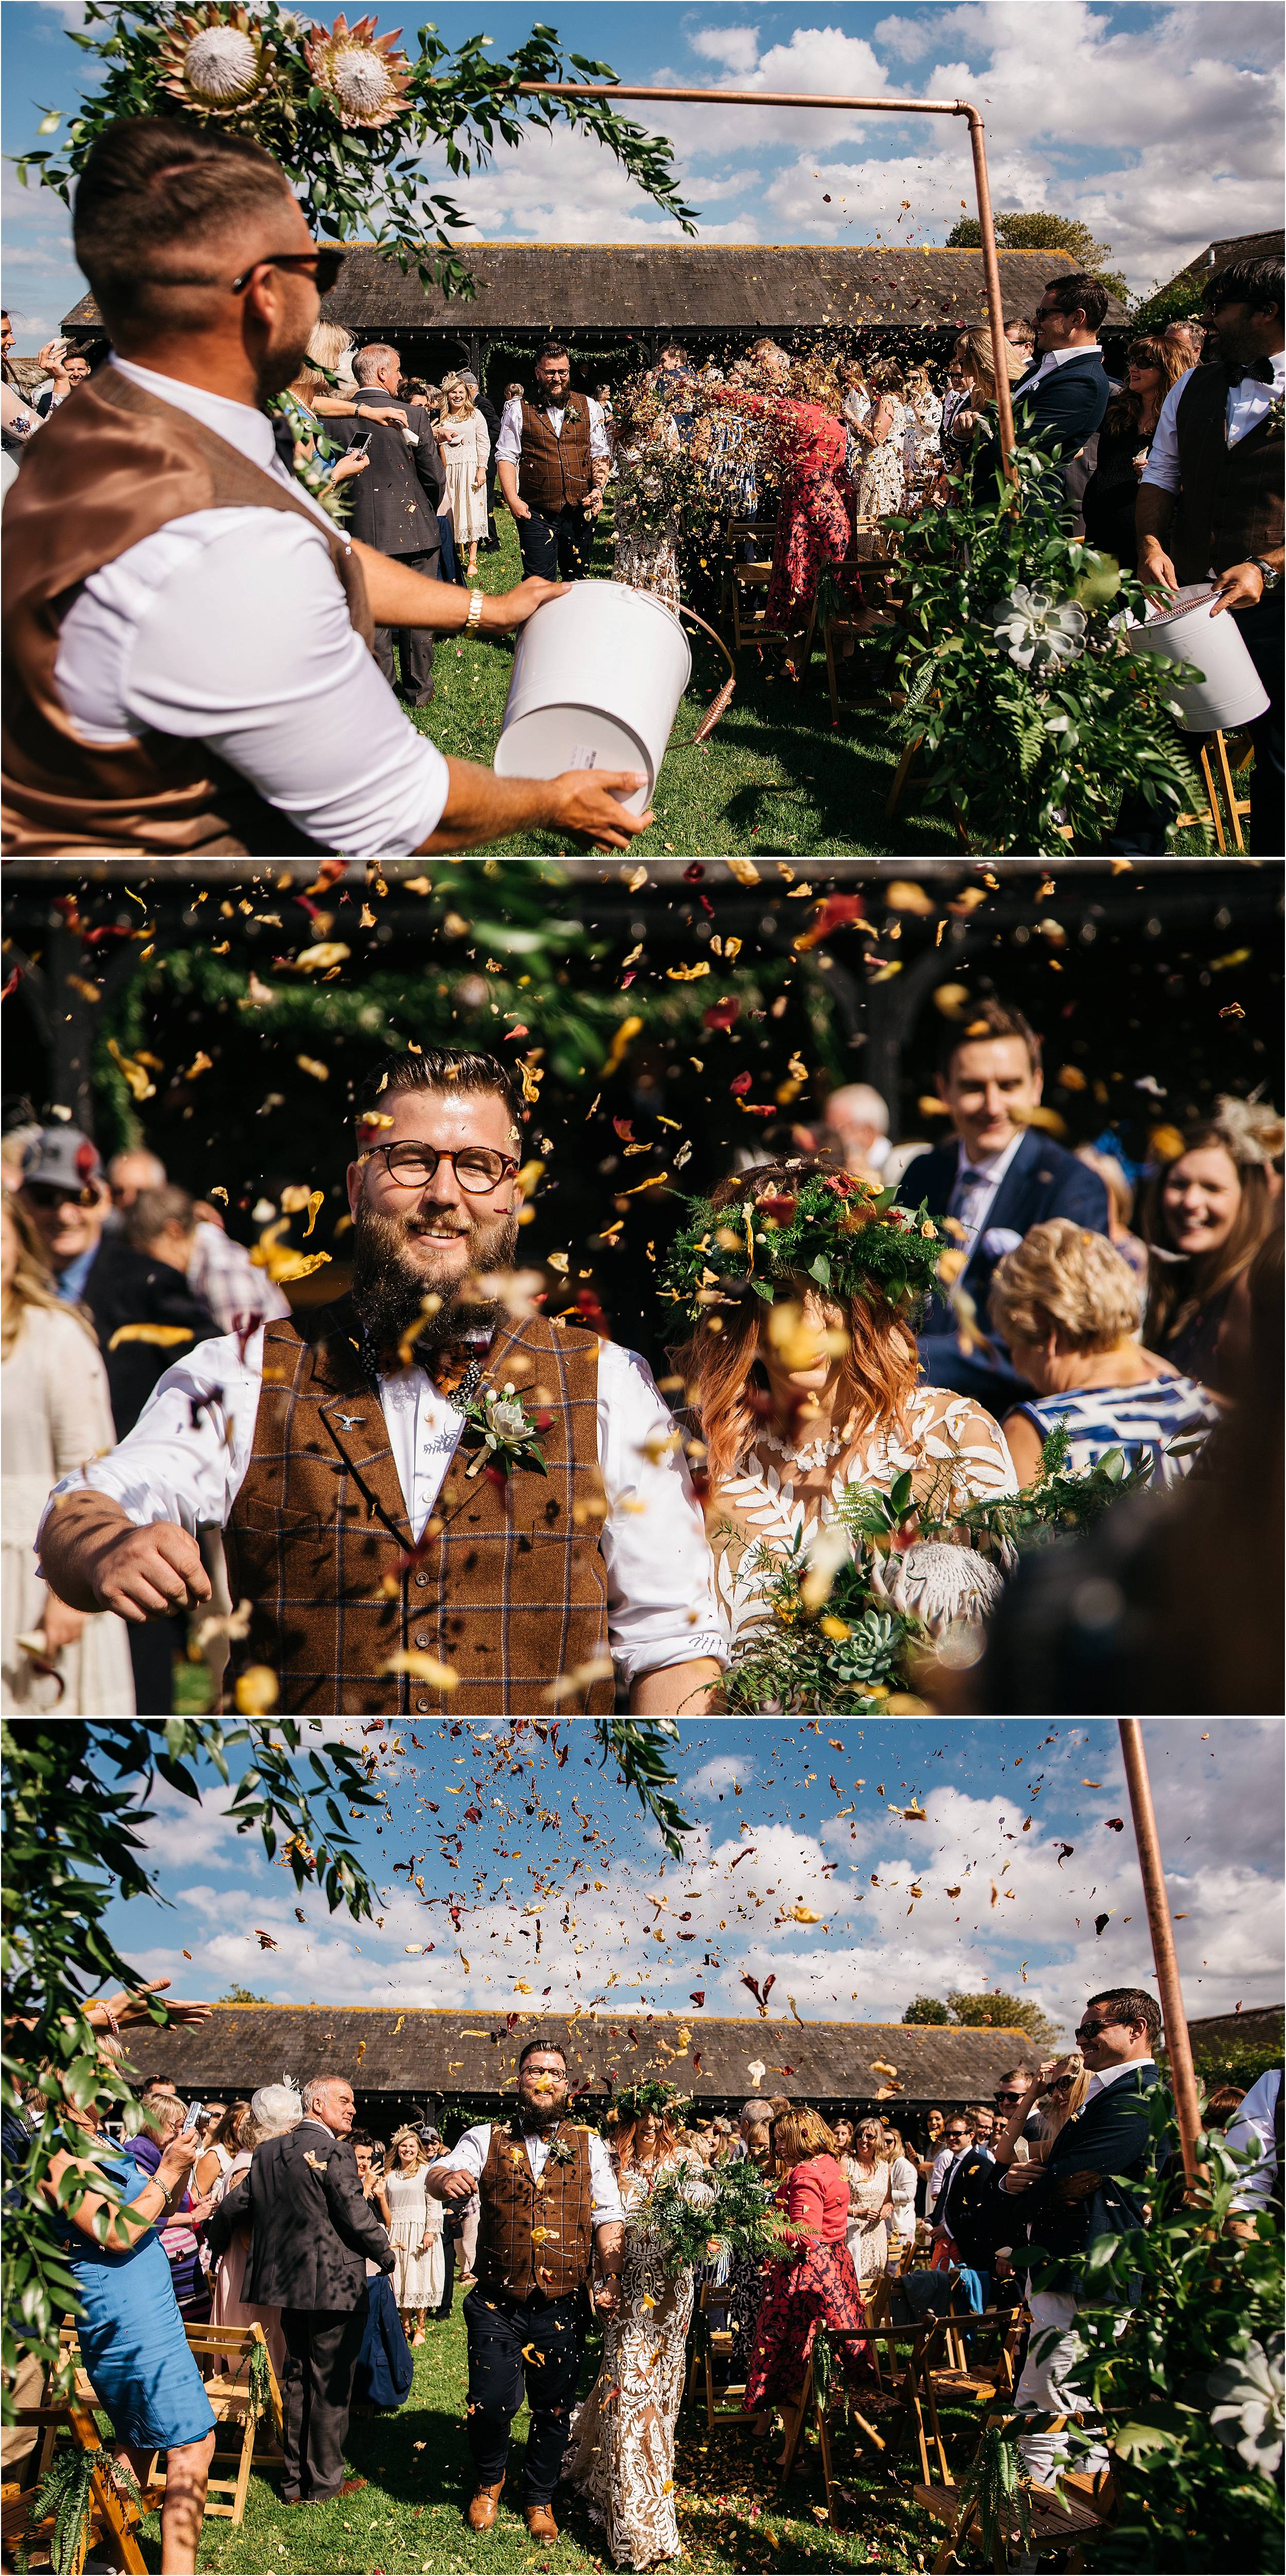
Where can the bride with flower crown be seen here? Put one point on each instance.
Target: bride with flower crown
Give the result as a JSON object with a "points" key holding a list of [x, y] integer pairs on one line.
{"points": [[802, 1374], [621, 2452]]}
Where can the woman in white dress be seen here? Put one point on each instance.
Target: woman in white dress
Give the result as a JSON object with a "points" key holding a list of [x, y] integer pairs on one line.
{"points": [[57, 1415], [870, 2205], [903, 2180], [621, 2452], [802, 1391], [881, 481], [415, 2232], [462, 436]]}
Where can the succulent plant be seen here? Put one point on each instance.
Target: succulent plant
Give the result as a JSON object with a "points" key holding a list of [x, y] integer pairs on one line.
{"points": [[217, 62], [363, 76]]}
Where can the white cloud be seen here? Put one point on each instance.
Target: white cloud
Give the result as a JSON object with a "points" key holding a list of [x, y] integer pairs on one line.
{"points": [[737, 48], [727, 1771]]}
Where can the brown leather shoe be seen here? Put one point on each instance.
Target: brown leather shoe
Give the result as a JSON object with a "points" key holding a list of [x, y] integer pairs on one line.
{"points": [[484, 2507], [540, 2521]]}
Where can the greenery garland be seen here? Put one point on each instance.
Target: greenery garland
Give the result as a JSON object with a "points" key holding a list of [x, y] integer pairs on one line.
{"points": [[845, 1234], [742, 2220], [351, 119], [630, 2102]]}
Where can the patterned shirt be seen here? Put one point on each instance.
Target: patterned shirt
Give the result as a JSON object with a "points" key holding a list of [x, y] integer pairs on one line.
{"points": [[1133, 1418]]}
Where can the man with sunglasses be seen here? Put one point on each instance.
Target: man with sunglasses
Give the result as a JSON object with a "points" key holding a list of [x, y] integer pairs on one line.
{"points": [[1076, 2194], [186, 632], [342, 1453]]}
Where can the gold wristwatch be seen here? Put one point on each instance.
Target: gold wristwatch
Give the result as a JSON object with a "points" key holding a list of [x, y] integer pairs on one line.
{"points": [[474, 618]]}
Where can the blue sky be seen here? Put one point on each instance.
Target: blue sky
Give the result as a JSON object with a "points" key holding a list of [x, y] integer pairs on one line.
{"points": [[560, 1889], [1161, 126]]}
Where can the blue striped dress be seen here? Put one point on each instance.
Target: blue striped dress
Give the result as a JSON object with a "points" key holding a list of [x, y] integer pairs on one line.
{"points": [[1133, 1418]]}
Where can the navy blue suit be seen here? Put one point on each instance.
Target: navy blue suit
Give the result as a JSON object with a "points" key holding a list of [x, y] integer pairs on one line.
{"points": [[1058, 414], [1042, 1181]]}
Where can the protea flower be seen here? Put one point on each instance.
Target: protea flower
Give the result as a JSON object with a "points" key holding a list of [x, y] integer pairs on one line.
{"points": [[938, 1584], [217, 62], [1037, 629], [363, 76]]}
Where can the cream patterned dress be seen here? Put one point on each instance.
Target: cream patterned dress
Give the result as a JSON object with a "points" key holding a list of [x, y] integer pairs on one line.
{"points": [[867, 2232], [419, 2278], [621, 2451], [948, 1438]]}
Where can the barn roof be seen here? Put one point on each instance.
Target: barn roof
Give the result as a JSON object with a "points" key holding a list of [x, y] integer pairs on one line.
{"points": [[1261, 2023], [417, 2051], [1220, 254], [702, 288]]}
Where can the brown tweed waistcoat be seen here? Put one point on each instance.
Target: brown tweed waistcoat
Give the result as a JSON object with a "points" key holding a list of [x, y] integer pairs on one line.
{"points": [[1230, 500], [554, 473], [511, 2254], [508, 1585], [107, 470]]}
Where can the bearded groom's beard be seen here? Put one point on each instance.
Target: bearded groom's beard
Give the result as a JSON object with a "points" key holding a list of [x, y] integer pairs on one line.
{"points": [[542, 2114], [389, 1288]]}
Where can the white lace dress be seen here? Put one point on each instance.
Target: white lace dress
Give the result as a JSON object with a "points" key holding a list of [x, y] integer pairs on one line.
{"points": [[621, 2450], [947, 1437]]}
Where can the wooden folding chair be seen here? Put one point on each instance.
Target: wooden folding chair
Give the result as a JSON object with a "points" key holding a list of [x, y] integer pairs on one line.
{"points": [[224, 2354], [711, 2344], [976, 2371], [1057, 2521], [1216, 744], [111, 2524]]}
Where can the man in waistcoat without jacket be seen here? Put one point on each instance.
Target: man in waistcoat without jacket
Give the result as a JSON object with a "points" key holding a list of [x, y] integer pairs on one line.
{"points": [[550, 2211], [1210, 511], [187, 663], [552, 460], [311, 2232], [433, 1499]]}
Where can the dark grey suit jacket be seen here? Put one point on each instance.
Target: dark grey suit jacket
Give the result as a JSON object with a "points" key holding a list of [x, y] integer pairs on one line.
{"points": [[397, 500], [311, 2230], [1042, 1181]]}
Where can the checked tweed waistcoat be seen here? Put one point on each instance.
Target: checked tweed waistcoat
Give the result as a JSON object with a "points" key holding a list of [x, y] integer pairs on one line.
{"points": [[554, 473], [107, 470], [507, 1585], [1230, 500], [511, 2255]]}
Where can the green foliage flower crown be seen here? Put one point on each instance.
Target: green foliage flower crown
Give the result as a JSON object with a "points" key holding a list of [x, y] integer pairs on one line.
{"points": [[848, 1236], [632, 2100]]}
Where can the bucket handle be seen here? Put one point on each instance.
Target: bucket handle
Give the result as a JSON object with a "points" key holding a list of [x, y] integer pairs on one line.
{"points": [[717, 705]]}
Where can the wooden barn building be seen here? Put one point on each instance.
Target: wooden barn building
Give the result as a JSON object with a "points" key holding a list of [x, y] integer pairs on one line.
{"points": [[406, 2062], [616, 304]]}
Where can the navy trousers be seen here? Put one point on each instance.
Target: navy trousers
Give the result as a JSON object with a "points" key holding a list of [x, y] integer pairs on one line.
{"points": [[520, 2347]]}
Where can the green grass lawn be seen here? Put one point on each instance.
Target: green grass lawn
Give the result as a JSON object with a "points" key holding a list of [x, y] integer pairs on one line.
{"points": [[774, 780], [410, 2516]]}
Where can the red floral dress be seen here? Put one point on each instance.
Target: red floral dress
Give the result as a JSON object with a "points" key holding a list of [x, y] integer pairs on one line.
{"points": [[813, 525], [818, 2289]]}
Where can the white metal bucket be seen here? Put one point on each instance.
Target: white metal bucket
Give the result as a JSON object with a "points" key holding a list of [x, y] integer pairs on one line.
{"points": [[1231, 692], [597, 680]]}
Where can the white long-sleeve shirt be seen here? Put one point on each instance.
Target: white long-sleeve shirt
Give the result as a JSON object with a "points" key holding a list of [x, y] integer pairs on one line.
{"points": [[469, 2155], [229, 627], [509, 442], [1254, 2126], [1247, 403], [187, 1457]]}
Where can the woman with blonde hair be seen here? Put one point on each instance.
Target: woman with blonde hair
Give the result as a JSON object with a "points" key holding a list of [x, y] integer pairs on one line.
{"points": [[57, 1416], [815, 2286], [462, 436], [801, 1391], [870, 2202], [1205, 1216], [976, 360], [307, 403], [415, 2232], [1068, 1306]]}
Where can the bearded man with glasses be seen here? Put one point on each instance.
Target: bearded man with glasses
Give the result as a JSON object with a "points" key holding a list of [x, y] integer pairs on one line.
{"points": [[1075, 2194], [187, 635], [343, 1453]]}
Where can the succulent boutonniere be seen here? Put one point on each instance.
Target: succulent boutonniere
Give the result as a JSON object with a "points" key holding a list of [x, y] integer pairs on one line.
{"points": [[504, 1434], [562, 2152], [571, 410], [1275, 414]]}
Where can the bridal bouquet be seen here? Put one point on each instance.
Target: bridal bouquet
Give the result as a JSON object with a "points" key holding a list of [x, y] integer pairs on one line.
{"points": [[741, 2217], [853, 1652]]}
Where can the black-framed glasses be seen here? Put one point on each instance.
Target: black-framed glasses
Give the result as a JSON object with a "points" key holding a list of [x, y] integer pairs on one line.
{"points": [[51, 1194], [1006, 2097], [412, 1165], [325, 264], [1095, 2029]]}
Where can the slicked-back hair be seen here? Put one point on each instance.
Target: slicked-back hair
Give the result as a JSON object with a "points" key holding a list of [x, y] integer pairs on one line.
{"points": [[991, 1019], [1130, 2003], [368, 361], [543, 2048], [157, 196], [1079, 288], [439, 1069], [1257, 282]]}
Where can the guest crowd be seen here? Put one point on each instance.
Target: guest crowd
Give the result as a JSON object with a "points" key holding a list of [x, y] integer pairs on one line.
{"points": [[278, 2212]]}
